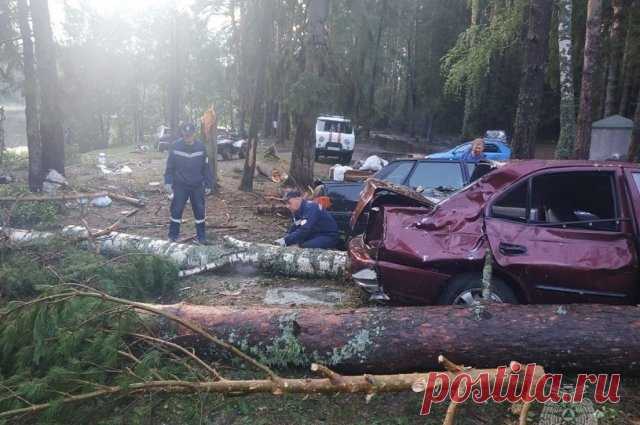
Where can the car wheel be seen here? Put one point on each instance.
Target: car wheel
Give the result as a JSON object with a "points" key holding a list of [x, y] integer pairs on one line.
{"points": [[465, 289], [346, 158], [317, 155]]}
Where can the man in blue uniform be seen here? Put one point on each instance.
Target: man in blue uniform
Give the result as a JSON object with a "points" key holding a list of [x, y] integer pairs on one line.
{"points": [[312, 227], [189, 177]]}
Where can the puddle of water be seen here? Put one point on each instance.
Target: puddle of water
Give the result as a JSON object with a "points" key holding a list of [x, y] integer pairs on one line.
{"points": [[303, 296]]}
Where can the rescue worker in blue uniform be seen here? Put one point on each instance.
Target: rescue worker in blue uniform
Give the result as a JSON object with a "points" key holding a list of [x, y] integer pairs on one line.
{"points": [[189, 177], [313, 227], [475, 152]]}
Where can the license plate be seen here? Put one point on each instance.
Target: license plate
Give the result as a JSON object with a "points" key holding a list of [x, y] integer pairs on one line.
{"points": [[333, 148]]}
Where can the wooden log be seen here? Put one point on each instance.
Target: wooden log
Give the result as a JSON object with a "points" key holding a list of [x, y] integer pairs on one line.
{"points": [[191, 259], [72, 197], [589, 338], [272, 209]]}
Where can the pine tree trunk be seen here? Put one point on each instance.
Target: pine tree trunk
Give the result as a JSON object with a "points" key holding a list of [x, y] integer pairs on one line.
{"points": [[629, 71], [634, 148], [30, 91], [303, 155], [246, 184], [567, 92], [532, 82], [616, 48], [173, 90], [51, 130], [374, 74], [592, 48], [579, 337]]}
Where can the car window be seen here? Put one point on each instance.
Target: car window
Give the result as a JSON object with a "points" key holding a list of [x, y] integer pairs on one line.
{"points": [[636, 179], [491, 148], [334, 126], [430, 175], [512, 205], [583, 200], [396, 172]]}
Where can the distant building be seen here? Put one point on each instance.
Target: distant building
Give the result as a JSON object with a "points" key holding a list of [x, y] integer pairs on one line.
{"points": [[610, 138]]}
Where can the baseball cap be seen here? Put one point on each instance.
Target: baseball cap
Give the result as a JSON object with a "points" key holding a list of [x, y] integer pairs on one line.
{"points": [[188, 129]]}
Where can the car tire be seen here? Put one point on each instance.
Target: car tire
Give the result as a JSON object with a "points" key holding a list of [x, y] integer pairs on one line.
{"points": [[317, 155], [346, 158], [462, 289]]}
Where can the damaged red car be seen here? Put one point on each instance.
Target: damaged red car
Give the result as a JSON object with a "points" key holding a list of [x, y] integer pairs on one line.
{"points": [[559, 232]]}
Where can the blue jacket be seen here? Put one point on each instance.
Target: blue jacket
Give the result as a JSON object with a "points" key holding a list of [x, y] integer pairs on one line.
{"points": [[188, 165], [468, 156], [310, 221]]}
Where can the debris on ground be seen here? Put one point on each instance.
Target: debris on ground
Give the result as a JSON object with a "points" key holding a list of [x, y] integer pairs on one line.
{"points": [[101, 202], [336, 173], [373, 163], [54, 181]]}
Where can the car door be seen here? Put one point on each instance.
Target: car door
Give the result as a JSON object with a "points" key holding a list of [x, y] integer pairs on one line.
{"points": [[565, 237], [492, 151]]}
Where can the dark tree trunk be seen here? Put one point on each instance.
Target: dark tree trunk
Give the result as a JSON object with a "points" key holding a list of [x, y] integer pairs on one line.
{"points": [[246, 183], [31, 100], [316, 43], [532, 83], [368, 122], [629, 71], [567, 137], [173, 89], [51, 130], [593, 338], [284, 127], [616, 49], [634, 148], [592, 48]]}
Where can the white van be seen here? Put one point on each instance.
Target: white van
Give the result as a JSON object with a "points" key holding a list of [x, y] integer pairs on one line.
{"points": [[335, 137]]}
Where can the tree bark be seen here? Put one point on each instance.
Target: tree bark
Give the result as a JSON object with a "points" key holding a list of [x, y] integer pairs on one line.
{"points": [[316, 45], [589, 75], [616, 49], [634, 147], [30, 91], [593, 338], [374, 73], [246, 184], [192, 259], [532, 83], [210, 136], [51, 129], [567, 92], [629, 71]]}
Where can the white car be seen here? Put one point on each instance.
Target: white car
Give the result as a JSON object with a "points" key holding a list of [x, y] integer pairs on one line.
{"points": [[335, 137]]}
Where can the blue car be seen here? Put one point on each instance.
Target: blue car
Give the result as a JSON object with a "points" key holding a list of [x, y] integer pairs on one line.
{"points": [[494, 149]]}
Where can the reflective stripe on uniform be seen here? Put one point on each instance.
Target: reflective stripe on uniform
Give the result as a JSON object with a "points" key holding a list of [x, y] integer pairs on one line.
{"points": [[175, 220], [189, 155]]}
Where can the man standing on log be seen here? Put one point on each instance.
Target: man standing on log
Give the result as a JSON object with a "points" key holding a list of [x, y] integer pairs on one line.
{"points": [[312, 227], [188, 176]]}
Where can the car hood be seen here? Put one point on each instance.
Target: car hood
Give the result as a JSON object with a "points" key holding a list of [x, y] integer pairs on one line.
{"points": [[374, 186]]}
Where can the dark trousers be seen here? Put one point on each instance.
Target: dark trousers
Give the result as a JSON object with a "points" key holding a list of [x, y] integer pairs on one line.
{"points": [[182, 194], [321, 241]]}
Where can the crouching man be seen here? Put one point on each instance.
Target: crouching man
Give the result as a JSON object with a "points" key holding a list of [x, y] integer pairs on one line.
{"points": [[189, 177], [312, 227]]}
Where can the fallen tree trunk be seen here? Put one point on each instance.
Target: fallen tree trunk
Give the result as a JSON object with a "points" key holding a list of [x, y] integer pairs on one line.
{"points": [[192, 259], [592, 338], [73, 197]]}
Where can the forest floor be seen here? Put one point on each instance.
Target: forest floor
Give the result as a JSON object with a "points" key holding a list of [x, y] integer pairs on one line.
{"points": [[231, 207]]}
